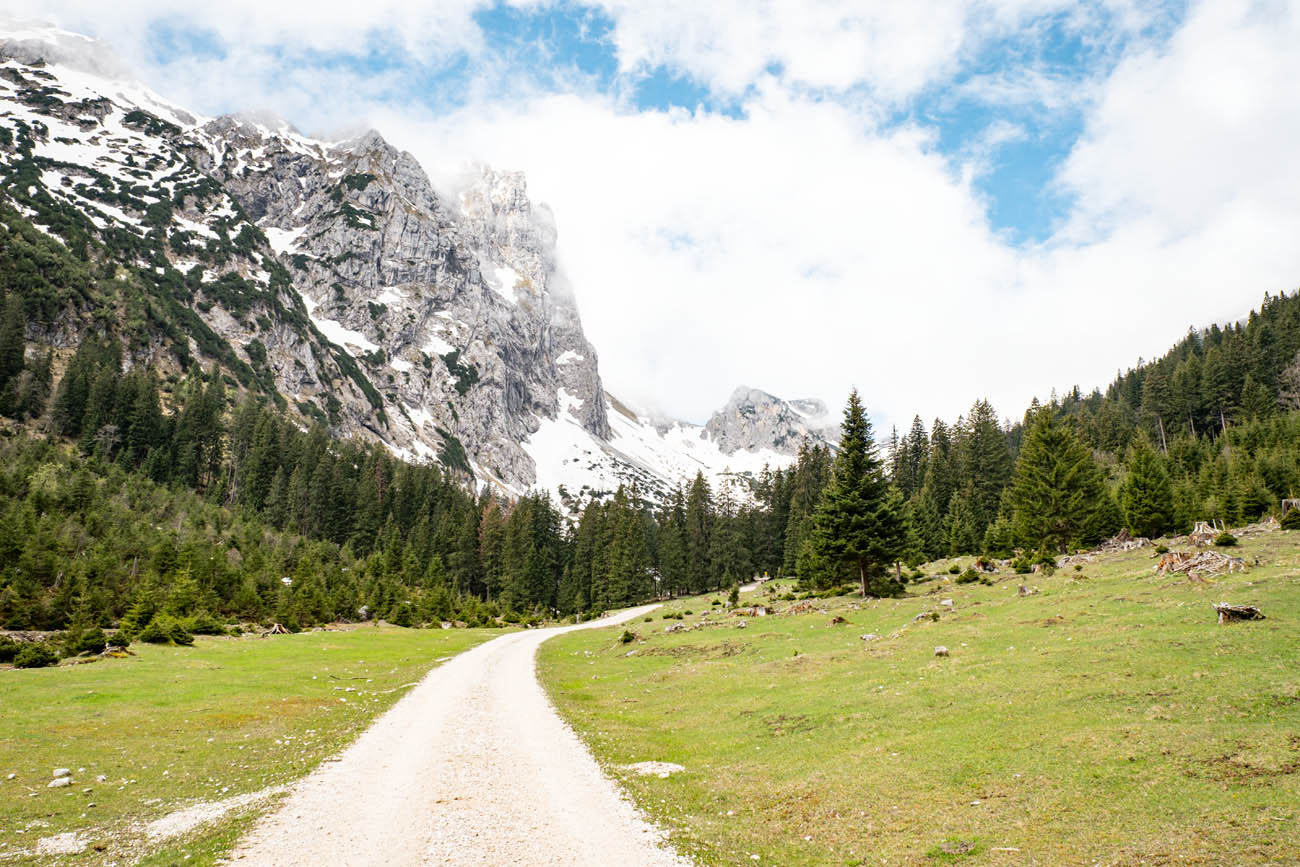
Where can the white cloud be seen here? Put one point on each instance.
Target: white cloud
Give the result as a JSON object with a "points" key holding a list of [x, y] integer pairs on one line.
{"points": [[430, 29], [801, 249]]}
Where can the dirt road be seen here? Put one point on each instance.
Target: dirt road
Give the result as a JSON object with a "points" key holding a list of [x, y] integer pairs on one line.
{"points": [[472, 767]]}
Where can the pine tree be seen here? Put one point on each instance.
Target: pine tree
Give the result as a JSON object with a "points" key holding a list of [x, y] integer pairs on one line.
{"points": [[1058, 487], [699, 533], [809, 478], [858, 527], [13, 327], [961, 530], [1145, 496], [984, 464]]}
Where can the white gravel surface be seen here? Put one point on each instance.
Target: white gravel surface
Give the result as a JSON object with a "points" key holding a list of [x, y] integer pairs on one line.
{"points": [[472, 767]]}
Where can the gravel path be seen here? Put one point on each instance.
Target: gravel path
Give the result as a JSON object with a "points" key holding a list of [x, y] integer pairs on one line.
{"points": [[472, 767]]}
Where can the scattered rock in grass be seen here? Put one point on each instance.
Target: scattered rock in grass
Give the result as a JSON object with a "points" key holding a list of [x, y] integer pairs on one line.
{"points": [[741, 625], [926, 615], [70, 843], [662, 770], [946, 603], [870, 636], [1026, 591], [837, 620], [676, 627], [957, 847], [101, 778], [62, 772], [59, 782], [941, 651], [11, 776]]}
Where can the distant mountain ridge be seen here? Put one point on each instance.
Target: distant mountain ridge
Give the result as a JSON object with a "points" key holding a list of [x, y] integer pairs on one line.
{"points": [[333, 278]]}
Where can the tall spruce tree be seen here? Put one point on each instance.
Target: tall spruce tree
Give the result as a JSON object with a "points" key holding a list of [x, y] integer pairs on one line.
{"points": [[858, 528], [1146, 496], [1058, 491], [13, 324]]}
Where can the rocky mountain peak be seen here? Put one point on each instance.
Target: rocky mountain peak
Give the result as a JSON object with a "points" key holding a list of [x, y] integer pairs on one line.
{"points": [[753, 419], [333, 279]]}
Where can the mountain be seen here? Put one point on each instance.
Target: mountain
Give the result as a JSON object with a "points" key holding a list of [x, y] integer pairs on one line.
{"points": [[333, 278]]}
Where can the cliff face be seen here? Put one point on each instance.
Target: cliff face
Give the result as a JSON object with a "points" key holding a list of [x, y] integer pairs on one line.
{"points": [[332, 278], [449, 308]]}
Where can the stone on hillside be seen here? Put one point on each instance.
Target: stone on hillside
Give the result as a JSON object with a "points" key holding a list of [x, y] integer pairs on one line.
{"points": [[870, 636], [941, 651], [59, 782], [62, 772]]}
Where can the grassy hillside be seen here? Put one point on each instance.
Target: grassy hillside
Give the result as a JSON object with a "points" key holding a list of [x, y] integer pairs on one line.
{"points": [[173, 727], [1105, 719]]}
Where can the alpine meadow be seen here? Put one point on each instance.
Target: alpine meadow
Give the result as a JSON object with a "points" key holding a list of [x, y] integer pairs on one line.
{"points": [[328, 538]]}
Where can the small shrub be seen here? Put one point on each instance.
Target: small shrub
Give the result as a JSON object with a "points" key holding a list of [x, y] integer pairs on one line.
{"points": [[628, 636], [1078, 567], [733, 598], [1292, 520], [688, 612], [9, 648], [203, 623], [649, 619], [719, 601], [165, 629], [35, 655], [91, 640], [1225, 540], [954, 569], [1022, 565], [1162, 549], [970, 576]]}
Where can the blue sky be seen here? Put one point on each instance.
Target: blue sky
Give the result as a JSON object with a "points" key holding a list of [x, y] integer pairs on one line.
{"points": [[933, 201]]}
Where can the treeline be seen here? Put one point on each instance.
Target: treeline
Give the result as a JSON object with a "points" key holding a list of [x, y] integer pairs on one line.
{"points": [[1206, 431], [129, 499], [167, 499]]}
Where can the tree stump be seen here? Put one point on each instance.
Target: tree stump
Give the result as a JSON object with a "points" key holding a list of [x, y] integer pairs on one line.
{"points": [[1230, 613]]}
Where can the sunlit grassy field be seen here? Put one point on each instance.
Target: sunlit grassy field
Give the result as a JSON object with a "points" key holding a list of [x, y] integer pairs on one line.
{"points": [[1106, 719], [173, 726]]}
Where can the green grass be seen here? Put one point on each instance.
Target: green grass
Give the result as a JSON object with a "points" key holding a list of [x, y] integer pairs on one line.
{"points": [[1107, 719], [172, 726]]}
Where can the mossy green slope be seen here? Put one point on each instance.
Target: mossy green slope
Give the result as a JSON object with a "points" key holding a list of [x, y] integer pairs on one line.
{"points": [[1105, 719]]}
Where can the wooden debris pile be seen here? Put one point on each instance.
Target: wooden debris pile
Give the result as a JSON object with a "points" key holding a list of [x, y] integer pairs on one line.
{"points": [[1205, 532], [1123, 541], [1198, 564], [1229, 613]]}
